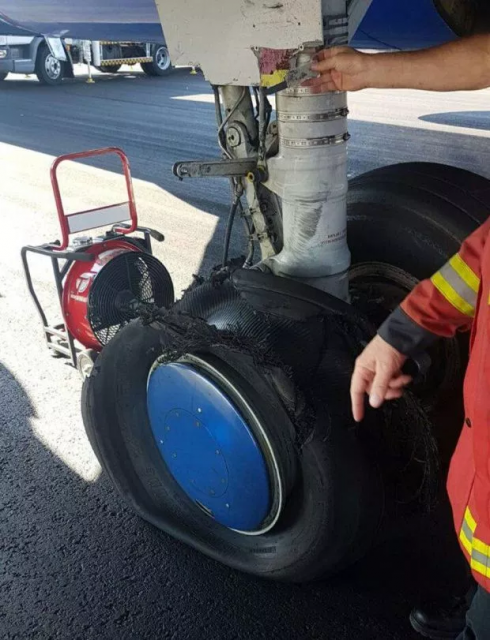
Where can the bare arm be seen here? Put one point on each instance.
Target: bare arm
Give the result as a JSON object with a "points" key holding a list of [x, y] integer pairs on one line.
{"points": [[455, 66]]}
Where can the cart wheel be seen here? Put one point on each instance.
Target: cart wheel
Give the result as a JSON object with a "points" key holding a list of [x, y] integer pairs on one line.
{"points": [[85, 362], [161, 64]]}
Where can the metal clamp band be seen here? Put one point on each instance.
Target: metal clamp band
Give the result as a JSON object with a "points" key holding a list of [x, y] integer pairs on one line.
{"points": [[316, 142], [305, 91], [336, 114]]}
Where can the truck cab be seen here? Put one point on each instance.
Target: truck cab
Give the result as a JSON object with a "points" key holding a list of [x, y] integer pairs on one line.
{"points": [[18, 54]]}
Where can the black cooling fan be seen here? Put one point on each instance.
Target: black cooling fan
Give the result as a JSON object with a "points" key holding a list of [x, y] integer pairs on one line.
{"points": [[127, 285]]}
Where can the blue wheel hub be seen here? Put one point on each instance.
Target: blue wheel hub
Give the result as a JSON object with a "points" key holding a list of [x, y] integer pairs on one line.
{"points": [[213, 446]]}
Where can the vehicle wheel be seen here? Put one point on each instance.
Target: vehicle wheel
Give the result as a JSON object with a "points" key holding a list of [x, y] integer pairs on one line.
{"points": [[215, 444], [114, 68], [49, 70], [405, 221], [3, 76], [161, 65]]}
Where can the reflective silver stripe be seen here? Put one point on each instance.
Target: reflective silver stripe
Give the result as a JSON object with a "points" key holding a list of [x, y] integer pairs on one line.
{"points": [[453, 278], [478, 551], [467, 531], [480, 557]]}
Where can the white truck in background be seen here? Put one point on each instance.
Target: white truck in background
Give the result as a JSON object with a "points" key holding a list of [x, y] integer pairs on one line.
{"points": [[53, 59]]}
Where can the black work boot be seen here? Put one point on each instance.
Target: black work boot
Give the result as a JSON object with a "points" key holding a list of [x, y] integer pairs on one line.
{"points": [[442, 620]]}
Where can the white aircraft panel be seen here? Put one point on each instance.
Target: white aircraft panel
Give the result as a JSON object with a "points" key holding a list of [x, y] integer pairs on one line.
{"points": [[220, 35]]}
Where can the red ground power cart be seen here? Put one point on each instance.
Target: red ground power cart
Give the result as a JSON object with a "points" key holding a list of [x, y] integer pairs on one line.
{"points": [[102, 282]]}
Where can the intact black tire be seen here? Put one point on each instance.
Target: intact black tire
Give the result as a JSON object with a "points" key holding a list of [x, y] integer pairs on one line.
{"points": [[414, 216], [49, 70], [161, 64], [404, 222], [3, 76], [114, 68]]}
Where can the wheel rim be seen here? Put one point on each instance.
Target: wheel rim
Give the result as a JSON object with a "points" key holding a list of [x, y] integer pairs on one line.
{"points": [[377, 289], [162, 58], [214, 445], [52, 67]]}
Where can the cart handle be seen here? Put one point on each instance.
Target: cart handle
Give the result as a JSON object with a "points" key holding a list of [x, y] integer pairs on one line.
{"points": [[64, 219]]}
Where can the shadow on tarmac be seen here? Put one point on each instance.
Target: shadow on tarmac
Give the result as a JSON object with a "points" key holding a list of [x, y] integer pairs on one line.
{"points": [[468, 119]]}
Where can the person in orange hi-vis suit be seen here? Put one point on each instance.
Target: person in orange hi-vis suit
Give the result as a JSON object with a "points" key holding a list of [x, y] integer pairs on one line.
{"points": [[456, 298]]}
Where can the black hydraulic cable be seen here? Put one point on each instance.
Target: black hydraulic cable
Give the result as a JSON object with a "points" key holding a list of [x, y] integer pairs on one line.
{"points": [[229, 228], [250, 237], [262, 123]]}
